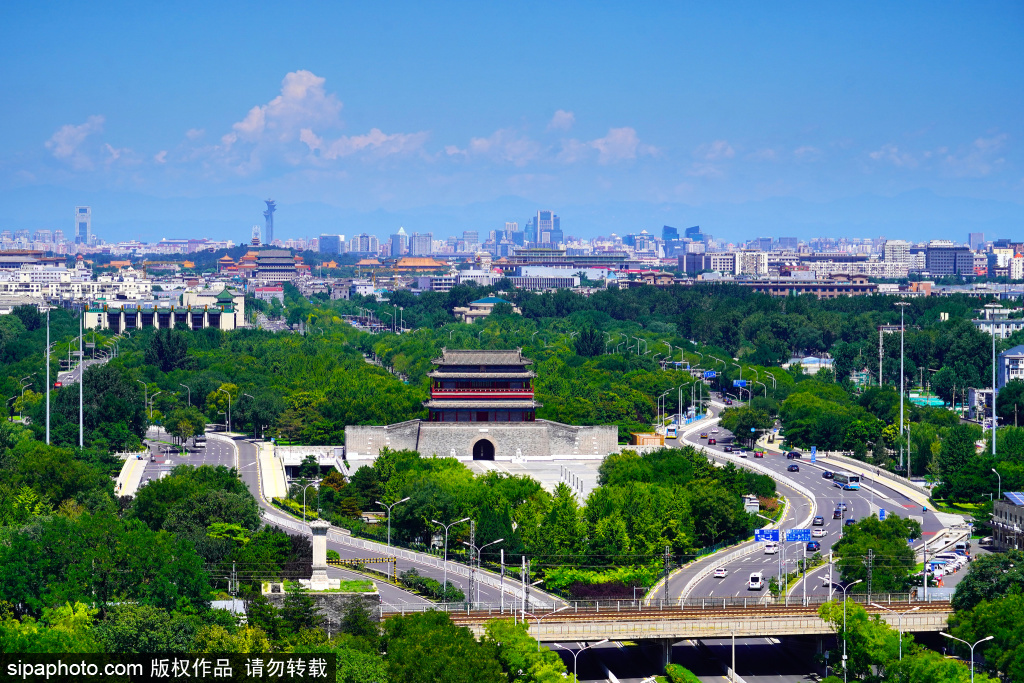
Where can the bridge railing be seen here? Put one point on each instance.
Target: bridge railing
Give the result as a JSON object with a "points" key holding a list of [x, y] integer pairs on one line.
{"points": [[708, 604]]}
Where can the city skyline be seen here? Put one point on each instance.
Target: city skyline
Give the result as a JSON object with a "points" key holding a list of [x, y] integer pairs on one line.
{"points": [[876, 120]]}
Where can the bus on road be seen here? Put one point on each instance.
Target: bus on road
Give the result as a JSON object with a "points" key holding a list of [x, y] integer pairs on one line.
{"points": [[847, 481], [199, 441]]}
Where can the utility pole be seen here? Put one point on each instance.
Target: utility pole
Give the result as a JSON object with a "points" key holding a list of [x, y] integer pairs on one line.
{"points": [[668, 557], [472, 566], [881, 352], [502, 591], [81, 383], [871, 564], [47, 375]]}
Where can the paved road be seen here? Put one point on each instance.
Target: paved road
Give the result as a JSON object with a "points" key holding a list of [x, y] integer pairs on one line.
{"points": [[874, 494]]}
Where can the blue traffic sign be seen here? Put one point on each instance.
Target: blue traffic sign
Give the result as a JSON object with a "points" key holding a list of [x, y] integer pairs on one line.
{"points": [[881, 514], [802, 535], [814, 453], [739, 382], [710, 374], [766, 535]]}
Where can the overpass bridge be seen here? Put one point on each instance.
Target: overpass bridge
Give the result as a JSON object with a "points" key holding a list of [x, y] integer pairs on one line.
{"points": [[629, 621]]}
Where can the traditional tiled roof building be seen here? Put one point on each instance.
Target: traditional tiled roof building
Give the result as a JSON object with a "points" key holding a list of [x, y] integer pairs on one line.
{"points": [[481, 386]]}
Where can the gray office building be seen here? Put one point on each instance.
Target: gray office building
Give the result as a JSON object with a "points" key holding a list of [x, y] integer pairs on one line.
{"points": [[948, 260], [83, 224], [976, 240]]}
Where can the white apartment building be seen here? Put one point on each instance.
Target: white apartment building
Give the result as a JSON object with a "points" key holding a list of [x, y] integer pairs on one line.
{"points": [[896, 251], [752, 263]]}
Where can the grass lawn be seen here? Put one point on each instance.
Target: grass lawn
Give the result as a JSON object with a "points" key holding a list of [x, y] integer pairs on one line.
{"points": [[969, 509]]}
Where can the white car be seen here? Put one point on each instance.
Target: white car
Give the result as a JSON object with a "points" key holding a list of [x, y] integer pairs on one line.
{"points": [[714, 430], [721, 573], [818, 533], [771, 548], [756, 582]]}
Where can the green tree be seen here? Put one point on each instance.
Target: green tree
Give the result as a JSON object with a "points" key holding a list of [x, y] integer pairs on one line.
{"points": [[589, 343], [427, 647], [888, 541], [1000, 618], [1010, 403], [137, 629], [299, 610], [519, 654], [871, 645], [992, 576]]}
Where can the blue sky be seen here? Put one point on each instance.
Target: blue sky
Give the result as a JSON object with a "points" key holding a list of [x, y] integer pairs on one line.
{"points": [[748, 118]]}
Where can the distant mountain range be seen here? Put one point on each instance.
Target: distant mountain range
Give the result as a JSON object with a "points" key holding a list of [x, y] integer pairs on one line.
{"points": [[917, 215]]}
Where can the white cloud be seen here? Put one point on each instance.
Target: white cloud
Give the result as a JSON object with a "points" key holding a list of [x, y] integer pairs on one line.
{"points": [[980, 159], [562, 120], [806, 153], [504, 145], [195, 133], [766, 154], [892, 154], [620, 144], [67, 142], [160, 157], [715, 151], [291, 128], [374, 141]]}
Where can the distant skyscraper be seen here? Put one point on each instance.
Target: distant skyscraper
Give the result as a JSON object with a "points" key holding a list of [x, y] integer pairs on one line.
{"points": [[511, 226], [364, 244], [42, 236], [668, 233], [331, 244], [400, 242], [976, 240], [268, 232], [83, 224], [694, 234], [788, 243], [544, 223], [58, 237], [422, 244], [764, 243]]}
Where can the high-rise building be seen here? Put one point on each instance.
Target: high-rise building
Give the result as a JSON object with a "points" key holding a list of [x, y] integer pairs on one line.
{"points": [[976, 240], [470, 237], [694, 233], [669, 234], [58, 237], [399, 243], [268, 232], [788, 243], [42, 236], [364, 244], [763, 244], [83, 224], [331, 244], [511, 226], [422, 244], [942, 257], [896, 251]]}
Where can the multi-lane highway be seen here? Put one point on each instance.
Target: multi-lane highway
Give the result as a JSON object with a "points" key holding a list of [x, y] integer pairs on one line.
{"points": [[873, 495]]}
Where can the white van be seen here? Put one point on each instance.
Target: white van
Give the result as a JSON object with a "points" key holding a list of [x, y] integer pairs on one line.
{"points": [[756, 582], [671, 432], [771, 548]]}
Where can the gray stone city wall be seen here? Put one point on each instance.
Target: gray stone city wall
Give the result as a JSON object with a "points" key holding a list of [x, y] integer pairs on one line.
{"points": [[334, 606], [512, 440]]}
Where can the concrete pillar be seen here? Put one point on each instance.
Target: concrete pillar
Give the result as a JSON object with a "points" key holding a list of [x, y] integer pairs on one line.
{"points": [[319, 580], [666, 652]]}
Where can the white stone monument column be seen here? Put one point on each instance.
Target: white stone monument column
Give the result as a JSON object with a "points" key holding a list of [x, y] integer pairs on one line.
{"points": [[319, 580]]}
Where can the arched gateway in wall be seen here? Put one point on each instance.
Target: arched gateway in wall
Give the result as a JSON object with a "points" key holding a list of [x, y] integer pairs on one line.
{"points": [[483, 450]]}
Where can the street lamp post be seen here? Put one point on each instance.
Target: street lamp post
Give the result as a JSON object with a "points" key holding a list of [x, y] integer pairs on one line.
{"points": [[540, 617], [899, 616], [229, 405], [903, 305], [444, 586], [312, 483], [995, 420], [389, 514], [151, 399], [576, 653], [145, 394], [970, 646], [846, 588], [189, 394], [999, 493], [473, 568]]}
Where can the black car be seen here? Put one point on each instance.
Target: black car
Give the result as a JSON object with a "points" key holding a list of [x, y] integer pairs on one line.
{"points": [[728, 448], [827, 475], [818, 521], [813, 546], [793, 468], [792, 454], [837, 514], [851, 522]]}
